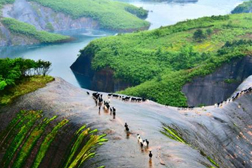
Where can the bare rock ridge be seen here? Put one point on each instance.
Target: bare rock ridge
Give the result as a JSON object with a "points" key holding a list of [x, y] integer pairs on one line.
{"points": [[219, 85], [7, 38], [223, 134], [44, 18]]}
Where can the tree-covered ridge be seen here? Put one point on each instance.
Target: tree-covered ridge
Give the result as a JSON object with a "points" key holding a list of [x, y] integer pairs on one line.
{"points": [[110, 14], [145, 56], [30, 31], [245, 7], [166, 87]]}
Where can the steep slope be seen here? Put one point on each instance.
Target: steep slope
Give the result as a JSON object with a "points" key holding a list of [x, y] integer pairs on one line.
{"points": [[245, 7], [216, 136], [151, 59], [76, 14], [13, 32], [219, 85]]}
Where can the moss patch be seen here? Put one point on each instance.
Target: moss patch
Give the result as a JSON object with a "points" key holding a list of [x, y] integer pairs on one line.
{"points": [[27, 85]]}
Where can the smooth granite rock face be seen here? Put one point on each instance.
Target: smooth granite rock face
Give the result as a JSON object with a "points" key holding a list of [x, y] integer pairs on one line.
{"points": [[44, 18], [219, 85], [224, 134]]}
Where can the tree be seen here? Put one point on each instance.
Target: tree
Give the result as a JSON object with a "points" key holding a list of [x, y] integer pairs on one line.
{"points": [[209, 32], [199, 35]]}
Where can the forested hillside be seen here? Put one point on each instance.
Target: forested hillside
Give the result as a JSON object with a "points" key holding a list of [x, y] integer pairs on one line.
{"points": [[110, 14], [245, 7], [28, 30], [163, 60]]}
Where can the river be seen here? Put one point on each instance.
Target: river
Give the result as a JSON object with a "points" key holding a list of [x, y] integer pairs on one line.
{"points": [[161, 14]]}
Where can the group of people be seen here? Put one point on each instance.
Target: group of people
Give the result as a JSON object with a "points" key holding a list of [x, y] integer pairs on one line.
{"points": [[106, 104], [186, 108], [234, 97], [99, 101], [127, 98], [222, 103], [144, 143]]}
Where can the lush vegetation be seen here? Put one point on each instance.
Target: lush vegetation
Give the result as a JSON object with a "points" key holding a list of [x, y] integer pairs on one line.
{"points": [[163, 60], [110, 14], [13, 70], [30, 130], [2, 2], [20, 76], [245, 7], [139, 12], [30, 31]]}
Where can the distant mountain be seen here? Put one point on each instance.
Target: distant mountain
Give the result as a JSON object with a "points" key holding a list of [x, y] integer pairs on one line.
{"points": [[245, 7], [65, 15], [13, 32]]}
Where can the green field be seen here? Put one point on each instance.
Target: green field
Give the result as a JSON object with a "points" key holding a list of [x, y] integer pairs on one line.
{"points": [[245, 7], [25, 29], [161, 61], [110, 14]]}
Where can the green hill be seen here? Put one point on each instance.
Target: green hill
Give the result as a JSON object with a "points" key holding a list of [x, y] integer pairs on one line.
{"points": [[161, 61], [245, 7], [2, 2], [110, 14], [21, 28]]}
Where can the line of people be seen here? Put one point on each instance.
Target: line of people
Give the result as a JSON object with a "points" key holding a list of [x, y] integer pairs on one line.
{"points": [[106, 104], [127, 98], [234, 97], [144, 144], [186, 108]]}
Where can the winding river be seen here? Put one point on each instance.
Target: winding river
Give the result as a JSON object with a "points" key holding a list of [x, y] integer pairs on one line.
{"points": [[161, 14]]}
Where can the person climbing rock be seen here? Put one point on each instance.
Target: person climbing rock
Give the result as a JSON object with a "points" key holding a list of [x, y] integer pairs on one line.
{"points": [[127, 129], [96, 102], [147, 142], [114, 113], [150, 155], [125, 125], [141, 145]]}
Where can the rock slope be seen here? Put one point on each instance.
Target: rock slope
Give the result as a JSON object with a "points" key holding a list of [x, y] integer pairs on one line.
{"points": [[223, 134], [44, 18]]}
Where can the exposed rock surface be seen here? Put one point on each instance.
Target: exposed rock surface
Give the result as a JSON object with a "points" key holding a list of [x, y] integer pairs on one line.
{"points": [[224, 134], [102, 80], [219, 85], [7, 38], [44, 18]]}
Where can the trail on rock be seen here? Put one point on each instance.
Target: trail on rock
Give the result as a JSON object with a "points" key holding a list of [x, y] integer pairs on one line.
{"points": [[223, 134]]}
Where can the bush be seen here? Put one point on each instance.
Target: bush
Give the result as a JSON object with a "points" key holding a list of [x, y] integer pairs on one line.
{"points": [[199, 35], [13, 70]]}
